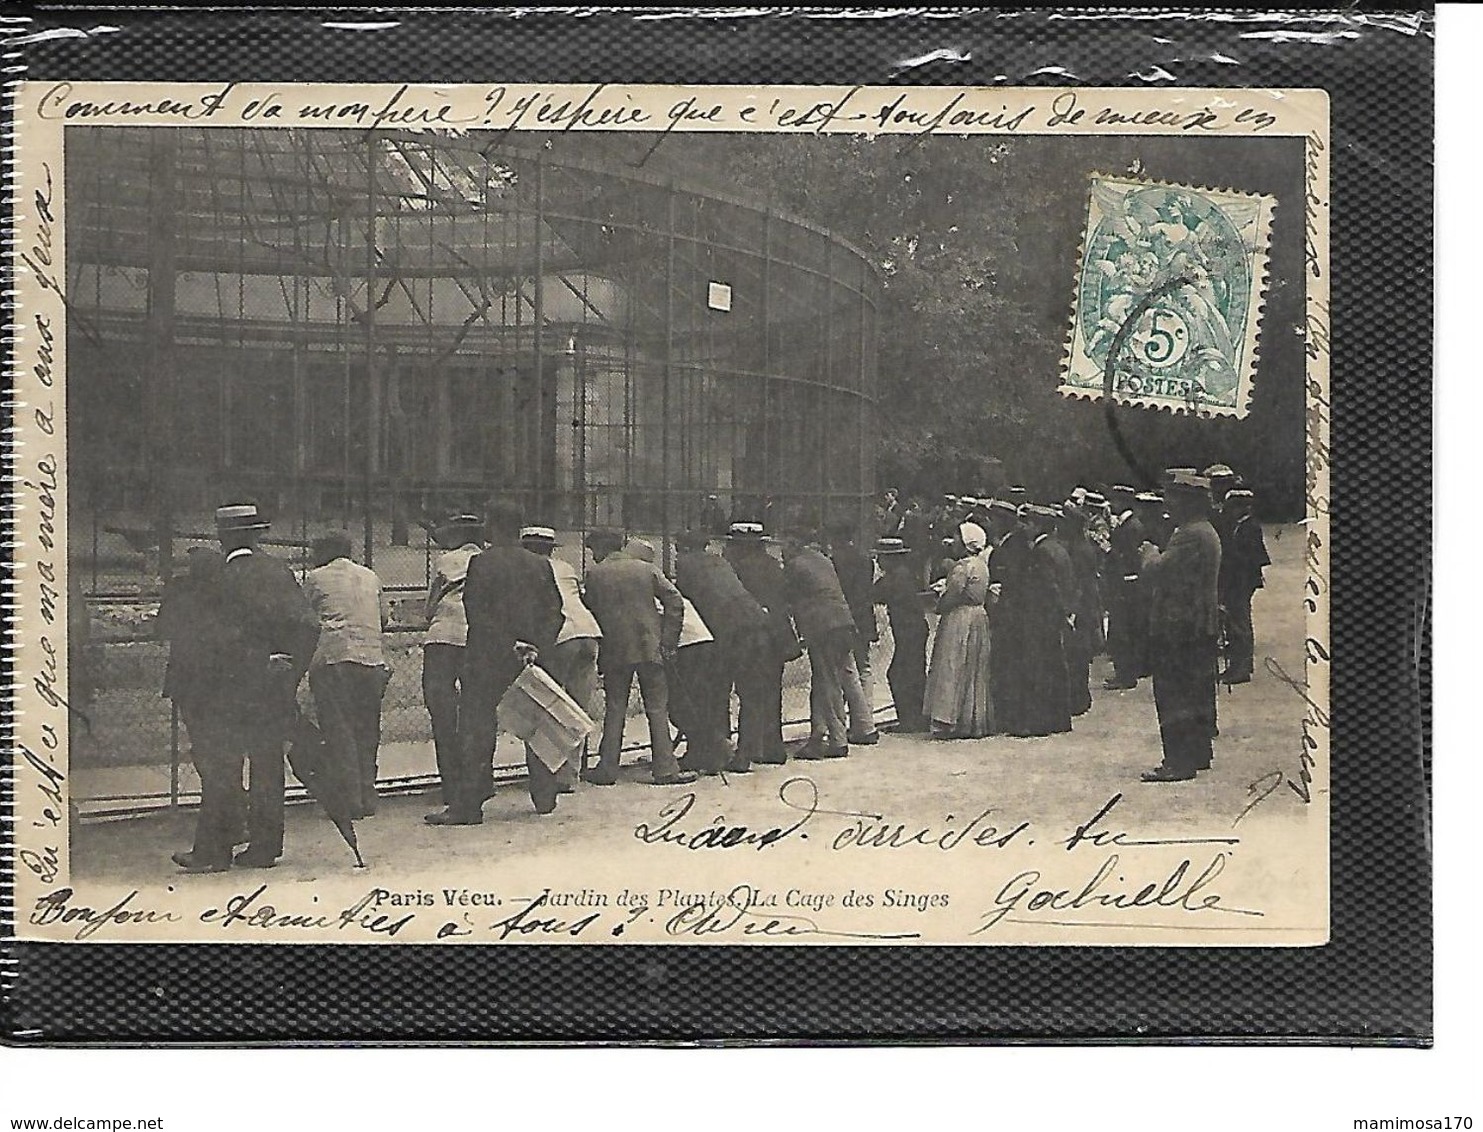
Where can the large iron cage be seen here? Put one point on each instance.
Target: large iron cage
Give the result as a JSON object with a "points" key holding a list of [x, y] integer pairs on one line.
{"points": [[359, 330]]}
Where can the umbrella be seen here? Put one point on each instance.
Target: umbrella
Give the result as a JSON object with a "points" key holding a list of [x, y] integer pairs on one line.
{"points": [[306, 757]]}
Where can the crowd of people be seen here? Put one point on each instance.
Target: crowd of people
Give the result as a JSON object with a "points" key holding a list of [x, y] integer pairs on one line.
{"points": [[1025, 595]]}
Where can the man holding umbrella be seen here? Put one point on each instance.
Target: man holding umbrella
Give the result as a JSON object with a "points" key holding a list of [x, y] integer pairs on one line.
{"points": [[270, 633]]}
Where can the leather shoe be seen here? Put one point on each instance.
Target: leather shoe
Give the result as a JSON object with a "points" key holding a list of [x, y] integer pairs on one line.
{"points": [[867, 740], [599, 776], [448, 817], [679, 778], [189, 863], [1164, 774], [777, 759], [251, 859], [739, 766]]}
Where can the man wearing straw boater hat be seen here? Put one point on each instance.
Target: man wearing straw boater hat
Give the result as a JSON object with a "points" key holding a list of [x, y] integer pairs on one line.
{"points": [[1184, 623], [271, 634], [762, 576]]}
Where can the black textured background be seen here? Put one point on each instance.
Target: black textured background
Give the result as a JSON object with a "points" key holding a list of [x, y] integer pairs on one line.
{"points": [[1371, 984]]}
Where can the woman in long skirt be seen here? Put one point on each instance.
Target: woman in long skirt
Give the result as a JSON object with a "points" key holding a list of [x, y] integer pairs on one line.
{"points": [[957, 701]]}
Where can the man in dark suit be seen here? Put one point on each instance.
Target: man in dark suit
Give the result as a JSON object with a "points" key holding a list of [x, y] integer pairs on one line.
{"points": [[513, 608], [1184, 622], [640, 613], [856, 573], [742, 645], [762, 576], [270, 633], [828, 632], [190, 621], [1243, 556], [1127, 618]]}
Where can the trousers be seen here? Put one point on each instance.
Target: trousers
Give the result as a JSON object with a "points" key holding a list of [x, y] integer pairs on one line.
{"points": [[700, 703], [442, 675], [654, 691], [347, 700], [831, 664], [485, 681], [1127, 631], [1240, 637], [1184, 696], [223, 740], [573, 664], [859, 688], [757, 675], [907, 672]]}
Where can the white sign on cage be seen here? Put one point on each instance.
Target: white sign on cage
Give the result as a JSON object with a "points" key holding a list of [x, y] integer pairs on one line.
{"points": [[719, 297]]}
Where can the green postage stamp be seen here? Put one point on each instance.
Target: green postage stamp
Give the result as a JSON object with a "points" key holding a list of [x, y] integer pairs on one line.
{"points": [[1168, 296]]}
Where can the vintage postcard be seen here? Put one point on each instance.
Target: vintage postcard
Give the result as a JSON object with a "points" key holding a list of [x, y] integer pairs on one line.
{"points": [[704, 515]]}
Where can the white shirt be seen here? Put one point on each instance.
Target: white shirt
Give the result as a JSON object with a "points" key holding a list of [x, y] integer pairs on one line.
{"points": [[347, 598], [576, 619], [447, 623], [693, 630]]}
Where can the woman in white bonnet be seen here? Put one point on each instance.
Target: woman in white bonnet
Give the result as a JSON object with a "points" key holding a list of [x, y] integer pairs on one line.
{"points": [[957, 701]]}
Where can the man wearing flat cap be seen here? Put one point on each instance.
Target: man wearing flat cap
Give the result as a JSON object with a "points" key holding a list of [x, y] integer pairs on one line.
{"points": [[461, 537], [270, 633], [348, 674], [1184, 624]]}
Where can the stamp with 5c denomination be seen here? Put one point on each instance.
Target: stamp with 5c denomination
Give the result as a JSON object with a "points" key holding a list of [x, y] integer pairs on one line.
{"points": [[1169, 296]]}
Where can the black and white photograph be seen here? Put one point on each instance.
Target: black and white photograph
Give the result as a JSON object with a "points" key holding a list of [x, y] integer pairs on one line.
{"points": [[674, 515]]}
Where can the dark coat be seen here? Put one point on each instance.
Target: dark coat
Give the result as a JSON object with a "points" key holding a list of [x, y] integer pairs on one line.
{"points": [[856, 573], [1243, 554], [1086, 591], [1127, 537], [724, 604], [265, 612], [191, 622], [762, 575], [621, 592], [1027, 665], [814, 595], [1184, 603], [509, 595]]}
